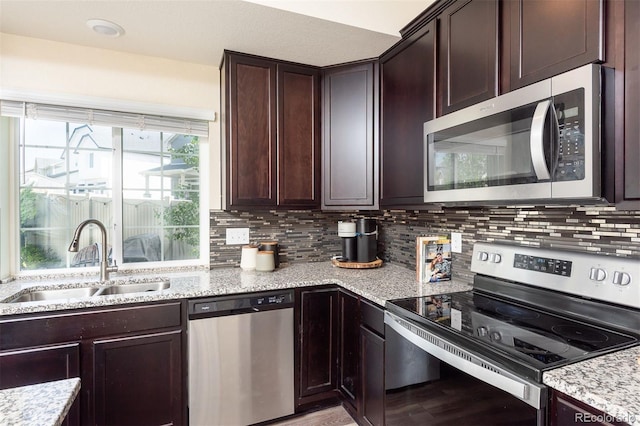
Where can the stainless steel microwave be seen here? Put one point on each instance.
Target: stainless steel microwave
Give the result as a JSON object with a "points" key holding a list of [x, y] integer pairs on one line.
{"points": [[537, 143]]}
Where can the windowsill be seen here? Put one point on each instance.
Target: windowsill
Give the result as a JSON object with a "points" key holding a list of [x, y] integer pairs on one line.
{"points": [[92, 272]]}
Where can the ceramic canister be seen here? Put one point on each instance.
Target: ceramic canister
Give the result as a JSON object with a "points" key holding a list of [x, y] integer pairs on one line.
{"points": [[265, 261], [271, 246], [248, 257]]}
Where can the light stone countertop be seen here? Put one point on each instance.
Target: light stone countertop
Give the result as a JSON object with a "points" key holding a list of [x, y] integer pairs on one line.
{"points": [[609, 383], [378, 285], [581, 381], [44, 404]]}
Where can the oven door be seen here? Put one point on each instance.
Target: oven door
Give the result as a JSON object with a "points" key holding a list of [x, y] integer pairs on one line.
{"points": [[469, 390]]}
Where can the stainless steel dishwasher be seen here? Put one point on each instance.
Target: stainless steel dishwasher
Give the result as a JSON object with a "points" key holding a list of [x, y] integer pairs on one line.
{"points": [[241, 358]]}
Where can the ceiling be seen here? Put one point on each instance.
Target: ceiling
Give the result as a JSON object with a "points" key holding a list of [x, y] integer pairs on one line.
{"points": [[314, 32]]}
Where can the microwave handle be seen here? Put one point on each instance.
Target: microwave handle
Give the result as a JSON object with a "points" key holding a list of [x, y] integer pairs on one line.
{"points": [[536, 142]]}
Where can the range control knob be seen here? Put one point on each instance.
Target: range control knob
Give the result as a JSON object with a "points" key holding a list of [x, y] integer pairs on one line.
{"points": [[482, 331], [597, 274], [495, 258], [483, 256], [496, 336], [621, 278]]}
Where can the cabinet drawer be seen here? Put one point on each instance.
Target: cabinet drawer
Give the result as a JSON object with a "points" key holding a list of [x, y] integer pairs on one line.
{"points": [[44, 329], [372, 317]]}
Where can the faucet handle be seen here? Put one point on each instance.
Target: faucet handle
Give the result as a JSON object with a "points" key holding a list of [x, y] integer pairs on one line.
{"points": [[114, 267]]}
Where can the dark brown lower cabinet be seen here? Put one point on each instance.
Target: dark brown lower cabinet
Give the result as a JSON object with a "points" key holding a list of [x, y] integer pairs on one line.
{"points": [[340, 353], [349, 348], [371, 399], [138, 380], [30, 366], [129, 359], [566, 411], [316, 318], [372, 364]]}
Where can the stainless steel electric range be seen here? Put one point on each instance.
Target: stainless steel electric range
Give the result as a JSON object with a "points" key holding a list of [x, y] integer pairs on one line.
{"points": [[531, 310]]}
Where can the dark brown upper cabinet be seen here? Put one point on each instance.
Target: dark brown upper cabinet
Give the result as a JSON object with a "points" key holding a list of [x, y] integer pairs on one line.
{"points": [[631, 156], [467, 54], [621, 146], [407, 100], [350, 146], [271, 133], [298, 136], [549, 37]]}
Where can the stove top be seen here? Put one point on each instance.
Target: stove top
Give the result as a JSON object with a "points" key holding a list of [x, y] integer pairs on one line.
{"points": [[530, 337], [534, 309]]}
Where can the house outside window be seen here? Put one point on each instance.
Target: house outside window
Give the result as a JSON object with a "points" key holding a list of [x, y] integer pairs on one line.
{"points": [[142, 183]]}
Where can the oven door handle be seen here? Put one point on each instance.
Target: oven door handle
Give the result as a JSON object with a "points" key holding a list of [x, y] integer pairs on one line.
{"points": [[461, 359], [536, 141]]}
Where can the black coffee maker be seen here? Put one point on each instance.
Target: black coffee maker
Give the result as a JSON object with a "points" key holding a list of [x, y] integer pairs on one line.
{"points": [[359, 240], [367, 240]]}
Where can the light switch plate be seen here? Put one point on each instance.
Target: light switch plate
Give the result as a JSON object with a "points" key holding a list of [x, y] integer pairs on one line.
{"points": [[237, 236], [456, 242]]}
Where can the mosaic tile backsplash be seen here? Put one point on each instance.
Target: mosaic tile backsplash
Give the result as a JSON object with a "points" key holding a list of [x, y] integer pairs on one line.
{"points": [[305, 236]]}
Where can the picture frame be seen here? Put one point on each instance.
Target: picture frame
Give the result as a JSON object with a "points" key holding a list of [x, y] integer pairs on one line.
{"points": [[433, 258]]}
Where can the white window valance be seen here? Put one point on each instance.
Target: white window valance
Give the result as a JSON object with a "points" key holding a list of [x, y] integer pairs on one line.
{"points": [[126, 120]]}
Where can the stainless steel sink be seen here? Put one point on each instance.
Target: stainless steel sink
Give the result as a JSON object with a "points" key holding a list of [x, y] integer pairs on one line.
{"points": [[54, 294], [135, 288], [79, 292]]}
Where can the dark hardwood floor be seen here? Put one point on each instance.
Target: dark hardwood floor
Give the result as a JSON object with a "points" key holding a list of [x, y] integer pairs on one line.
{"points": [[457, 401], [334, 416]]}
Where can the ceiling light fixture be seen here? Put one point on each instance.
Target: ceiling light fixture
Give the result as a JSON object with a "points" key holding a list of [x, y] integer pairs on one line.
{"points": [[105, 28]]}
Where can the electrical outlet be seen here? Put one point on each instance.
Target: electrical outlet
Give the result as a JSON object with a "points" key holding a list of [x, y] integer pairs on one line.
{"points": [[237, 236], [456, 242]]}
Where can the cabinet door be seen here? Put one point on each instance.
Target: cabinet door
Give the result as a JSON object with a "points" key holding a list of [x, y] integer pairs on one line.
{"points": [[348, 379], [349, 137], [251, 154], [42, 364], [138, 380], [468, 54], [37, 365], [407, 100], [318, 347], [548, 37], [298, 136], [566, 411], [372, 390], [631, 156]]}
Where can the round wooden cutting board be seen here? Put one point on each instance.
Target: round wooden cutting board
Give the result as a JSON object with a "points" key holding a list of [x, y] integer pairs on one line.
{"points": [[357, 265]]}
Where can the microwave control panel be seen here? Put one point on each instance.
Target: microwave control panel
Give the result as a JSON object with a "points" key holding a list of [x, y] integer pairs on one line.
{"points": [[570, 150]]}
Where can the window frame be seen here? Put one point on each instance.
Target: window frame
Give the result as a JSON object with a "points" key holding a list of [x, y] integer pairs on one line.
{"points": [[16, 136]]}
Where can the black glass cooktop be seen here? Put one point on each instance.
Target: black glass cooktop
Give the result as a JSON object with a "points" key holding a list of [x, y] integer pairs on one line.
{"points": [[529, 335]]}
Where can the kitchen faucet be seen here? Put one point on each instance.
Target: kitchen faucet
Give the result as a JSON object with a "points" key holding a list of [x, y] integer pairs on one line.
{"points": [[104, 263]]}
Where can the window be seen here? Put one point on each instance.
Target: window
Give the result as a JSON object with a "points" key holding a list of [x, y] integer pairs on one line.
{"points": [[143, 183]]}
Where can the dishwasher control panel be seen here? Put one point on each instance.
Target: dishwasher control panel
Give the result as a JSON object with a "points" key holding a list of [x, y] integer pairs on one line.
{"points": [[239, 304], [271, 300]]}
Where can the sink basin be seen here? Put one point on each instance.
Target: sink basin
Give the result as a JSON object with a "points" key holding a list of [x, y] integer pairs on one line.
{"points": [[135, 288], [53, 294], [73, 293]]}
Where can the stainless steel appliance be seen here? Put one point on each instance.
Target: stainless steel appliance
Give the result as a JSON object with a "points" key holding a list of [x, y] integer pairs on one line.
{"points": [[530, 310], [540, 142], [241, 359]]}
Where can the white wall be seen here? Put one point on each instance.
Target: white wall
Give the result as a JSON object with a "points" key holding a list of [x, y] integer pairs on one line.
{"points": [[52, 68], [47, 71], [5, 259]]}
